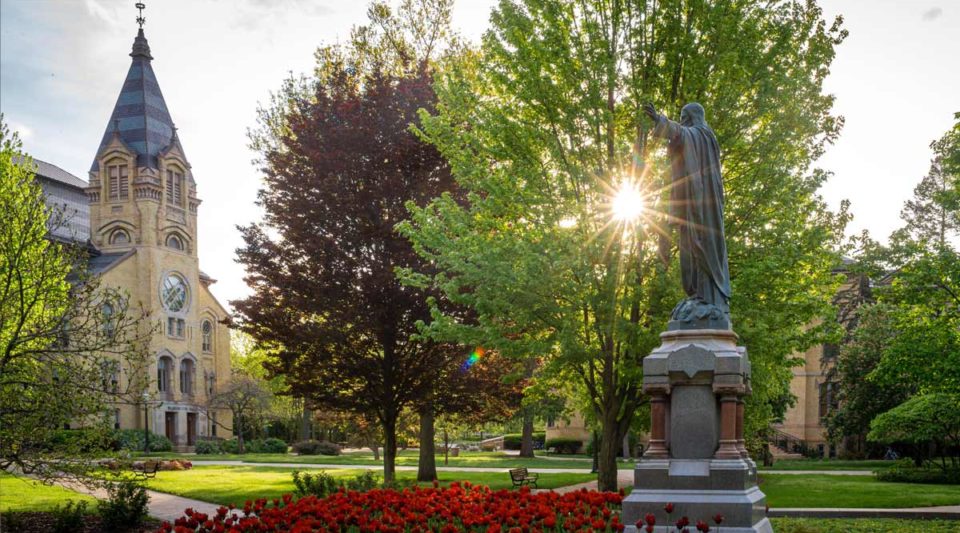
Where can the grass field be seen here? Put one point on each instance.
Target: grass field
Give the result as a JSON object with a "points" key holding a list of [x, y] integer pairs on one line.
{"points": [[862, 525], [405, 458], [793, 490], [236, 484], [826, 464], [19, 494]]}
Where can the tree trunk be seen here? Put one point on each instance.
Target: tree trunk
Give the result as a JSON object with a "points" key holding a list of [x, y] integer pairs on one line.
{"points": [[389, 451], [376, 451], [305, 417], [526, 439], [446, 448], [626, 446], [427, 467], [240, 448], [610, 440]]}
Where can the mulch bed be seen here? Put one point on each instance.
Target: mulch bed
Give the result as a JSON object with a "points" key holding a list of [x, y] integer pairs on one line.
{"points": [[39, 522]]}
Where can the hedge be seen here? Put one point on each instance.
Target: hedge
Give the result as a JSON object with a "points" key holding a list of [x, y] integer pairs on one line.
{"points": [[511, 441], [561, 445], [315, 447]]}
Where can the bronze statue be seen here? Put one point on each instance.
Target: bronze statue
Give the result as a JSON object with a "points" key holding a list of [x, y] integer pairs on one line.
{"points": [[696, 209]]}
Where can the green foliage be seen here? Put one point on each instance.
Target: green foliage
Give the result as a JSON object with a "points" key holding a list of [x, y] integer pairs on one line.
{"points": [[563, 445], [544, 122], [70, 518], [126, 506], [271, 445], [322, 484], [926, 418], [59, 350], [511, 441], [208, 447], [861, 397], [905, 471], [315, 447], [133, 440]]}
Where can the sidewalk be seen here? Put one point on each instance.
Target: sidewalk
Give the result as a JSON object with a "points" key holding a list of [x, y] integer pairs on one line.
{"points": [[163, 506], [214, 462]]}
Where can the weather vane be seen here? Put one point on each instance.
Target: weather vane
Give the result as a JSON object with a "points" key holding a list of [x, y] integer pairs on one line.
{"points": [[140, 20]]}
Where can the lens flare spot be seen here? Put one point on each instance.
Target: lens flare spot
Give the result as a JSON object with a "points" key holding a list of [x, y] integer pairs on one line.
{"points": [[627, 203]]}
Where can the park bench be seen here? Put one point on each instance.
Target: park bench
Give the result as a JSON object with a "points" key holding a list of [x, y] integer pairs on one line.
{"points": [[149, 469], [520, 477]]}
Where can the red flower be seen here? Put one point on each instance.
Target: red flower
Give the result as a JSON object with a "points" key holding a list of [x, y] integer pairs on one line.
{"points": [[702, 526], [718, 518], [668, 508], [650, 519]]}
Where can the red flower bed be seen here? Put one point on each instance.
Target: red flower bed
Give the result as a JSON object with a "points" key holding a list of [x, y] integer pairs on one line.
{"points": [[417, 510]]}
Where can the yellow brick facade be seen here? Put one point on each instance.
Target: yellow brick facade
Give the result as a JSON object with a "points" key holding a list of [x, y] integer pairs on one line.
{"points": [[143, 226]]}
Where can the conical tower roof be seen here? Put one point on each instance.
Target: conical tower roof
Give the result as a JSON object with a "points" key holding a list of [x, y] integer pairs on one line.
{"points": [[140, 116]]}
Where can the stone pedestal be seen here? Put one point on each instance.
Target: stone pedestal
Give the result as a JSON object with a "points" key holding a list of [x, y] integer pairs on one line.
{"points": [[696, 460]]}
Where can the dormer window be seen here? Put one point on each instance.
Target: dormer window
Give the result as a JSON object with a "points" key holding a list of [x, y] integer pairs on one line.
{"points": [[174, 188], [118, 181], [174, 242]]}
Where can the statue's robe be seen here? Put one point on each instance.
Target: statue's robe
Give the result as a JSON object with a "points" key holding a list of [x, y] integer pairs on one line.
{"points": [[696, 208]]}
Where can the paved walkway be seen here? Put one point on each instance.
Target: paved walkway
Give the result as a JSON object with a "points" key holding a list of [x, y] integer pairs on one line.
{"points": [[163, 506], [213, 462]]}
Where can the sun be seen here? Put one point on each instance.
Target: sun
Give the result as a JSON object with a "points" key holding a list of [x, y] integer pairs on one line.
{"points": [[627, 203]]}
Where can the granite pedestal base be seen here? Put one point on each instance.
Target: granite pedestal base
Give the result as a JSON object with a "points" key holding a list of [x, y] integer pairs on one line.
{"points": [[698, 489], [697, 461]]}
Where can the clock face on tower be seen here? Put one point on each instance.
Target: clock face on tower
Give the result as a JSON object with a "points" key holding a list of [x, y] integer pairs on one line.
{"points": [[173, 293]]}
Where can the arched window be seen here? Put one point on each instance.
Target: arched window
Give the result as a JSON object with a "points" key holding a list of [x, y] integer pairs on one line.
{"points": [[109, 326], [186, 376], [164, 367], [206, 329], [175, 242], [119, 237]]}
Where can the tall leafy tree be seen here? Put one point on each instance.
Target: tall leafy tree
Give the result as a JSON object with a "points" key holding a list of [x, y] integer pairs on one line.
{"points": [[339, 162], [908, 343], [70, 349], [543, 124]]}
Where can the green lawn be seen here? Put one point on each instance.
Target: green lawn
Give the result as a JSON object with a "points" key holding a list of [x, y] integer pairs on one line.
{"points": [[236, 484], [19, 494], [861, 525], [803, 490], [405, 458], [826, 464]]}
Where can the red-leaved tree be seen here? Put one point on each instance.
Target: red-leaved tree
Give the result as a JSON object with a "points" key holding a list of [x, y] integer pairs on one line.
{"points": [[339, 163]]}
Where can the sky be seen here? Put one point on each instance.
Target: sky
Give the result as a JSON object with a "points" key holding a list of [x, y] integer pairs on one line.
{"points": [[62, 63]]}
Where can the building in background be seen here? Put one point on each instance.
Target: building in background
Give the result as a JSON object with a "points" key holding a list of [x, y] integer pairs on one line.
{"points": [[137, 214]]}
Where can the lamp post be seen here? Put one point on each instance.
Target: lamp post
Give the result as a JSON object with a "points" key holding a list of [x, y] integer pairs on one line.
{"points": [[146, 423]]}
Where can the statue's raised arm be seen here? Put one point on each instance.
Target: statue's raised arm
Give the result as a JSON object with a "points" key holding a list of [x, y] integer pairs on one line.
{"points": [[696, 208]]}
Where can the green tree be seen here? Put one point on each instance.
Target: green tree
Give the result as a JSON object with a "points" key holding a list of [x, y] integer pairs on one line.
{"points": [[70, 349], [925, 418], [542, 125]]}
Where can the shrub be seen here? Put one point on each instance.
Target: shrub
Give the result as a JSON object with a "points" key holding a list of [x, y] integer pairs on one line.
{"points": [[368, 480], [320, 484], [208, 447], [69, 518], [906, 472], [316, 447], [273, 445], [132, 439], [231, 445], [511, 441], [81, 440], [561, 445], [126, 507]]}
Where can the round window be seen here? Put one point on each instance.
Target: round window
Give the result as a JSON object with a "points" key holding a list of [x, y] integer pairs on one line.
{"points": [[173, 294]]}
